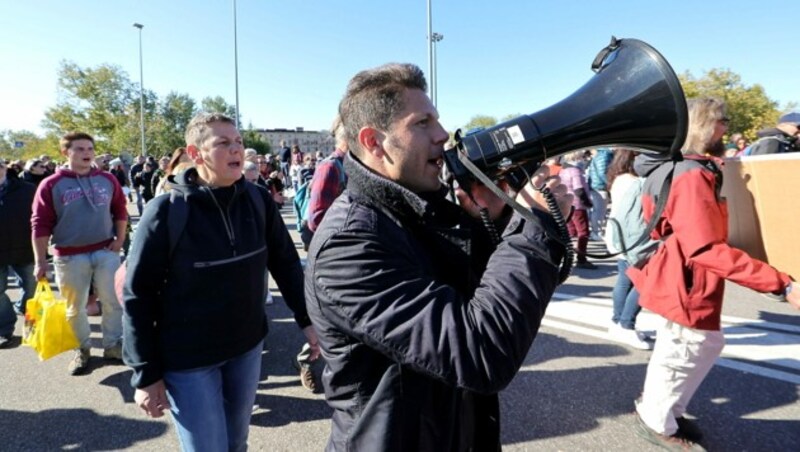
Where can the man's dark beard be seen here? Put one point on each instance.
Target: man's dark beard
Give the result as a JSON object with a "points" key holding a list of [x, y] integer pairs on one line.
{"points": [[716, 149]]}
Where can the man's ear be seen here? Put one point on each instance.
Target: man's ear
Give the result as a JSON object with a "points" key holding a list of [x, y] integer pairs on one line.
{"points": [[371, 141], [193, 152], [64, 151]]}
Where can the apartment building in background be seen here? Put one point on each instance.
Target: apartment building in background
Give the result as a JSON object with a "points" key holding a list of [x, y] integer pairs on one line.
{"points": [[308, 140]]}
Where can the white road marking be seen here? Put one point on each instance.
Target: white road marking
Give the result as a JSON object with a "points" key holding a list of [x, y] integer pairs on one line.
{"points": [[749, 342]]}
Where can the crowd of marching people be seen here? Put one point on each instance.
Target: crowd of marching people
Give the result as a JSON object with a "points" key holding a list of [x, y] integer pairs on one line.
{"points": [[405, 295]]}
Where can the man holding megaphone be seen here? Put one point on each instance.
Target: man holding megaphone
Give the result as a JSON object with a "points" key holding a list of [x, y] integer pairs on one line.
{"points": [[421, 316]]}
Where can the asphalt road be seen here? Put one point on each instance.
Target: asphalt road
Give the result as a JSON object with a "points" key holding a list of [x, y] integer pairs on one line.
{"points": [[574, 392]]}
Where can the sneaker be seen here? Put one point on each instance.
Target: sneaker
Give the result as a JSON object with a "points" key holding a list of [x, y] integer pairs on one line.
{"points": [[80, 362], [586, 265], [5, 340], [306, 376], [774, 297], [269, 299], [689, 429], [674, 442], [633, 338], [113, 353]]}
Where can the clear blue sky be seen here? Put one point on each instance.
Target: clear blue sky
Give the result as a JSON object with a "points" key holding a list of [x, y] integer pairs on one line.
{"points": [[295, 57]]}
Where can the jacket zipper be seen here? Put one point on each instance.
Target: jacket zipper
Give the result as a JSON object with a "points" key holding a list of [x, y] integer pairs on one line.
{"points": [[229, 260]]}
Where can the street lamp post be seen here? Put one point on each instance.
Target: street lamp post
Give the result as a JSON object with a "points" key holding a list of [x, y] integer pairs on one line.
{"points": [[435, 37], [141, 88], [236, 62], [430, 50]]}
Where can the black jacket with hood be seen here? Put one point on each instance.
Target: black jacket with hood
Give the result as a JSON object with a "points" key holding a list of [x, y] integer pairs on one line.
{"points": [[204, 304], [418, 331]]}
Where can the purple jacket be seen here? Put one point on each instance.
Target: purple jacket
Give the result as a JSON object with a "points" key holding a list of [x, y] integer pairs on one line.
{"points": [[572, 177]]}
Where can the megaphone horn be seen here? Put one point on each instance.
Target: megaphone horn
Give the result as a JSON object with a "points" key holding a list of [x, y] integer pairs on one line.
{"points": [[634, 100]]}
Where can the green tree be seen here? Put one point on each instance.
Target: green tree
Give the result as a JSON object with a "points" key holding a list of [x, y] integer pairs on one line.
{"points": [[32, 145], [253, 139], [127, 136], [100, 101], [103, 102], [483, 121], [749, 107], [90, 99], [175, 112], [510, 117], [217, 104]]}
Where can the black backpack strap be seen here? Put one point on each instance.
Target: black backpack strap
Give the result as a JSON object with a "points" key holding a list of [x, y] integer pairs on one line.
{"points": [[177, 216], [258, 203]]}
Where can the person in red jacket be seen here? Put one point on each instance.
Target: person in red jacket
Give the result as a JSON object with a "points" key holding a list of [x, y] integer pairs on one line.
{"points": [[684, 280]]}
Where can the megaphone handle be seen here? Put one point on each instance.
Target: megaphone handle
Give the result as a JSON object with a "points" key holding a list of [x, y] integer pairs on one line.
{"points": [[552, 206], [597, 64]]}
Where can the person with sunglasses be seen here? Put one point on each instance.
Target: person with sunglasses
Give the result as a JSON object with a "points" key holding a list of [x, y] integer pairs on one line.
{"points": [[35, 171]]}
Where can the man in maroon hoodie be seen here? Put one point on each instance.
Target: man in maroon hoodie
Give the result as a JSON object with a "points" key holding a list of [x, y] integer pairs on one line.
{"points": [[83, 210]]}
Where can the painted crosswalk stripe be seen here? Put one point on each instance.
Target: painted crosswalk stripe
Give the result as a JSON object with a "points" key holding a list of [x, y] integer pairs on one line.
{"points": [[764, 348]]}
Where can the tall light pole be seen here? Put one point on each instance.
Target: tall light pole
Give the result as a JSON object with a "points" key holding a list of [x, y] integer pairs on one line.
{"points": [[430, 51], [236, 62], [436, 37], [141, 88]]}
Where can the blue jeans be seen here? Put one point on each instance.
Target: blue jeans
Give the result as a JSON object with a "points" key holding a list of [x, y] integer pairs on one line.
{"points": [[74, 275], [139, 203], [26, 281], [287, 180], [211, 406], [626, 299]]}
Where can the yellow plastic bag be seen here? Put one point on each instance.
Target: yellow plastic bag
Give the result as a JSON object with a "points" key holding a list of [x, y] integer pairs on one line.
{"points": [[46, 327]]}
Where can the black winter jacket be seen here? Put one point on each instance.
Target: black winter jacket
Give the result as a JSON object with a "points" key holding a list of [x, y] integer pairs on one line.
{"points": [[31, 178], [417, 337], [16, 199], [205, 304]]}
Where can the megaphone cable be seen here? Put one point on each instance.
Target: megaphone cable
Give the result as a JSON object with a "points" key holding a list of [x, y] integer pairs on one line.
{"points": [[552, 205]]}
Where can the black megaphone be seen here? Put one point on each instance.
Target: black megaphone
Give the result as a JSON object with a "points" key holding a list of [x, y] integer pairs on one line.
{"points": [[634, 101]]}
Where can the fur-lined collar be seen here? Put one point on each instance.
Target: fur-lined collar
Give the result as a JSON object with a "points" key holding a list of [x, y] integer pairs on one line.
{"points": [[376, 190]]}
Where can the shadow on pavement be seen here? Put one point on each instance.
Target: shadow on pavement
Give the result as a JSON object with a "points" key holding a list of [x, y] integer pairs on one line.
{"points": [[73, 429], [121, 381], [731, 407], [547, 347], [556, 403], [283, 343], [786, 319], [552, 403], [277, 410]]}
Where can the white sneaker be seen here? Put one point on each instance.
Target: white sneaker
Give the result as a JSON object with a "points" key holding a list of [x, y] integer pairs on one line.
{"points": [[632, 338], [269, 299]]}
